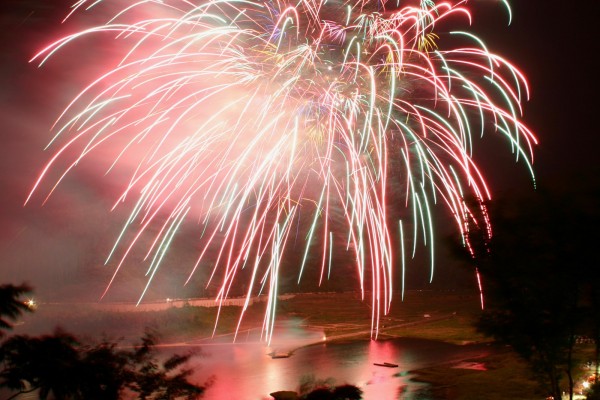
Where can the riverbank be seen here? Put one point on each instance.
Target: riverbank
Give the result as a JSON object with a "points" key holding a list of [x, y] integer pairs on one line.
{"points": [[332, 313]]}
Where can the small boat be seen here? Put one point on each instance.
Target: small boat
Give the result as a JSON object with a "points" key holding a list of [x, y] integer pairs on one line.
{"points": [[280, 355], [386, 364]]}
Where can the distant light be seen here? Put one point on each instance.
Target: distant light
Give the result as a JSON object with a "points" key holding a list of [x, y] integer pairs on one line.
{"points": [[586, 385], [324, 337], [31, 304]]}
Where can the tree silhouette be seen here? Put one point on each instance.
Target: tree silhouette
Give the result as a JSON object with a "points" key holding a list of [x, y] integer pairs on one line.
{"points": [[313, 389], [347, 392], [165, 381], [61, 367], [594, 392], [49, 363], [11, 305], [103, 372], [341, 392], [319, 394], [540, 280]]}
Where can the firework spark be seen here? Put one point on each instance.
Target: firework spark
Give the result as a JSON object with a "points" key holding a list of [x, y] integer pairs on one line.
{"points": [[272, 121]]}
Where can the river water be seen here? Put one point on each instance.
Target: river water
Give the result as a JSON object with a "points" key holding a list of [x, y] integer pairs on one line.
{"points": [[245, 371]]}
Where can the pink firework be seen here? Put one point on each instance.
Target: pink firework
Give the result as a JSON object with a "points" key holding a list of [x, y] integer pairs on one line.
{"points": [[266, 123]]}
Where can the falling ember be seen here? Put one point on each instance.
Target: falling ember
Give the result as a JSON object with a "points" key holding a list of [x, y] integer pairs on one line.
{"points": [[269, 123], [480, 286]]}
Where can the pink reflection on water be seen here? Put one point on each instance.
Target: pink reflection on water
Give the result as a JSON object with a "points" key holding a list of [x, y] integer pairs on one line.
{"points": [[245, 370], [383, 382]]}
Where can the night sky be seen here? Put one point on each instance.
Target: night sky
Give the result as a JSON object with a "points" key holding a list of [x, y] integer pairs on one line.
{"points": [[58, 247]]}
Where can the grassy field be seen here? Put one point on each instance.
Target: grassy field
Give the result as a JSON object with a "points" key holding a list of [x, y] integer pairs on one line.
{"points": [[446, 316]]}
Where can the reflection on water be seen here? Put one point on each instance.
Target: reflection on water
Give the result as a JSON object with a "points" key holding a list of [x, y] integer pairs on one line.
{"points": [[245, 371]]}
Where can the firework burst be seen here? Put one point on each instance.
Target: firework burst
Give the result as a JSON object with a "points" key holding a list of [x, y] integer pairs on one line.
{"points": [[337, 123]]}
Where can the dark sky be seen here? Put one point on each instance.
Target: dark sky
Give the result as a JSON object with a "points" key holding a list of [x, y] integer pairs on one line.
{"points": [[56, 247], [553, 43]]}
